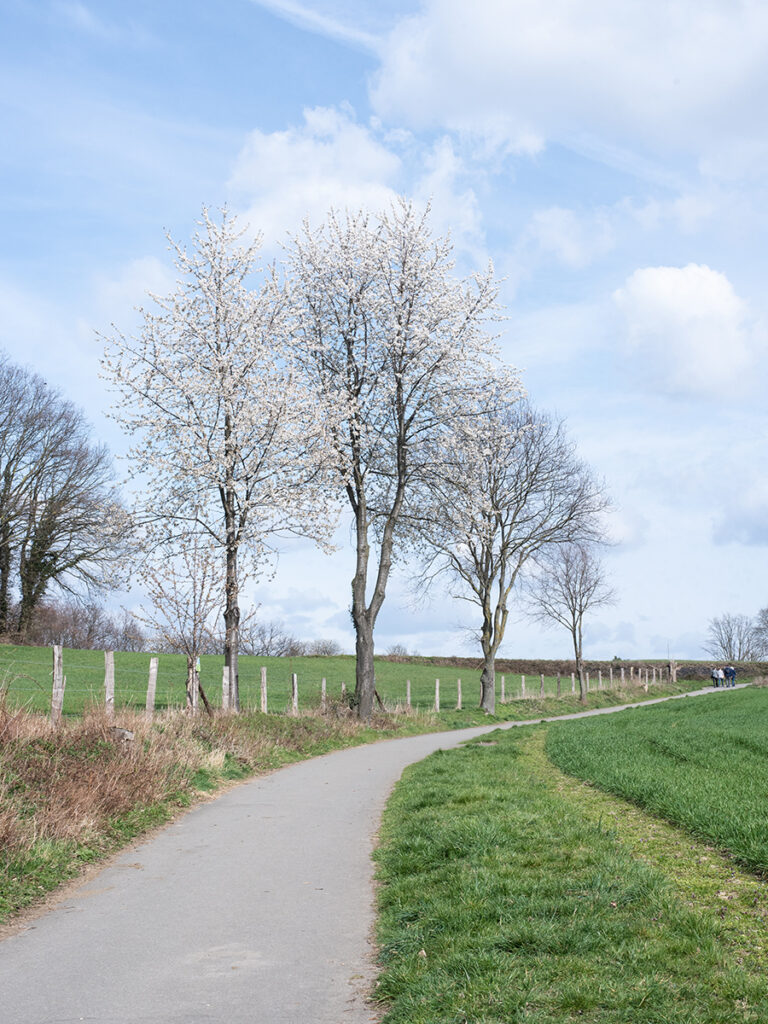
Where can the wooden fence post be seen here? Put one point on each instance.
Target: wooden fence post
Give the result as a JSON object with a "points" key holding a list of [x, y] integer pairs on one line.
{"points": [[437, 695], [343, 690], [225, 688], [522, 686], [263, 705], [622, 677], [458, 695], [109, 683], [59, 682], [541, 688], [646, 681], [654, 674], [558, 684], [631, 674], [322, 694], [503, 689], [573, 682], [294, 694], [599, 679], [408, 693], [610, 676], [151, 688], [587, 680]]}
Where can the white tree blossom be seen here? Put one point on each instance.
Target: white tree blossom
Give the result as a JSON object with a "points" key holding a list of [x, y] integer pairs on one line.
{"points": [[226, 440], [395, 348]]}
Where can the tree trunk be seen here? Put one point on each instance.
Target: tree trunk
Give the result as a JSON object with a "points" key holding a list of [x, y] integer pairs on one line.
{"points": [[365, 681], [488, 684], [232, 625], [5, 581]]}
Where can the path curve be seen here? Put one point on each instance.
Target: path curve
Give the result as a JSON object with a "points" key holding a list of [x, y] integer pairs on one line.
{"points": [[255, 908]]}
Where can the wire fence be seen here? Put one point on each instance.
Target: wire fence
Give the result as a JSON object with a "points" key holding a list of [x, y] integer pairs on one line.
{"points": [[33, 678]]}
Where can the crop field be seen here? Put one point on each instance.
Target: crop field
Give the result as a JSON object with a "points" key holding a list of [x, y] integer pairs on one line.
{"points": [[702, 764], [511, 892], [26, 673]]}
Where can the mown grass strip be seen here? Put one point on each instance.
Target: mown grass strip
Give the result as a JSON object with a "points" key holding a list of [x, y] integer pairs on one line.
{"points": [[503, 901], [702, 876], [702, 764]]}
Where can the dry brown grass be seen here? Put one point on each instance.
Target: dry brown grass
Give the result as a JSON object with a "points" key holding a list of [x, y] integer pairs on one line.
{"points": [[71, 783]]}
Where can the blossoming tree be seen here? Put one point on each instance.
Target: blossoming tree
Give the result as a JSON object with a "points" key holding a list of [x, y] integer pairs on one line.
{"points": [[226, 442], [395, 348]]}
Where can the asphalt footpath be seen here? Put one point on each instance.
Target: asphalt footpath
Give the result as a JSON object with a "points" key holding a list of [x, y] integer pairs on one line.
{"points": [[254, 908]]}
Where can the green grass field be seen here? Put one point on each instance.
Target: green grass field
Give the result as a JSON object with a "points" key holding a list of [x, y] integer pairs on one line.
{"points": [[26, 671], [512, 893], [702, 764]]}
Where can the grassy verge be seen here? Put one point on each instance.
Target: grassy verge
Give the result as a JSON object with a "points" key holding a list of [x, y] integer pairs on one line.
{"points": [[702, 764], [507, 898]]}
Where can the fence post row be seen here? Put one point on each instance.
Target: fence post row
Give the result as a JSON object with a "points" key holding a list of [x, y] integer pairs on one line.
{"points": [[151, 688], [109, 683]]}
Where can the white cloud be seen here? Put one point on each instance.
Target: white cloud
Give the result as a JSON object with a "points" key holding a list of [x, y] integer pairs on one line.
{"points": [[454, 203], [687, 330], [312, 20], [573, 240], [330, 160], [680, 77]]}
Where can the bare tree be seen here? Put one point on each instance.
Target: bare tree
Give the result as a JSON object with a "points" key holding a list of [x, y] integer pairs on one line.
{"points": [[567, 582], [61, 520], [761, 633], [515, 488], [185, 590], [269, 640], [734, 638], [226, 436], [324, 648], [392, 344]]}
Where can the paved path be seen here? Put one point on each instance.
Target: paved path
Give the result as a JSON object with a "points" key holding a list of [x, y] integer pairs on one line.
{"points": [[256, 907]]}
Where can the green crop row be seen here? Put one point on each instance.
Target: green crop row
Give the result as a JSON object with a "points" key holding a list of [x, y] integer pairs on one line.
{"points": [[702, 764]]}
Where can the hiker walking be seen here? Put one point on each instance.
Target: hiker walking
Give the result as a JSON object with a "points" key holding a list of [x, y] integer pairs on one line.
{"points": [[715, 676]]}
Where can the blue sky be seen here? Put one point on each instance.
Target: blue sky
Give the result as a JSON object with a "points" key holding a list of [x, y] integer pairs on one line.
{"points": [[611, 159]]}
